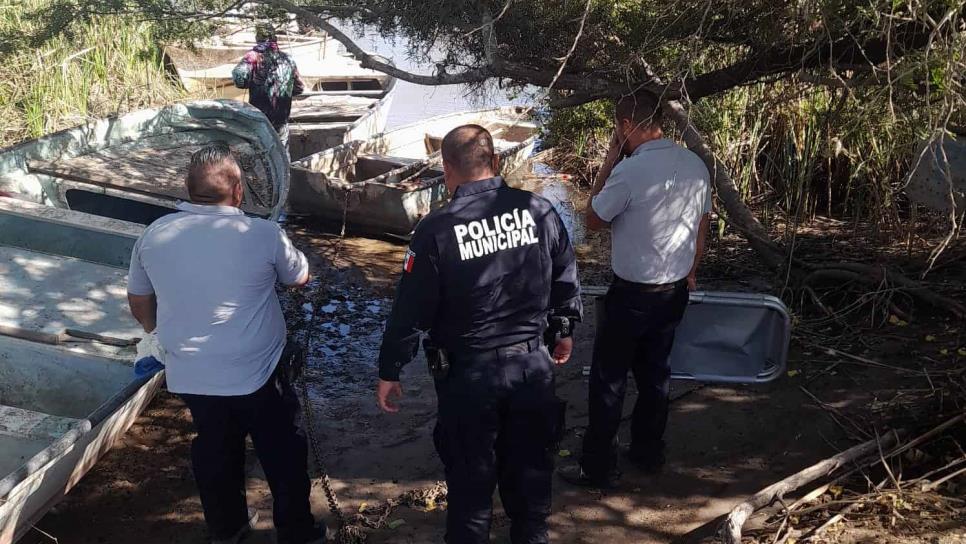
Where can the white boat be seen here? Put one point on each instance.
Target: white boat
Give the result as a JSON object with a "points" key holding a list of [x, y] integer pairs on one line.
{"points": [[387, 183], [63, 401], [132, 167], [343, 101], [323, 63]]}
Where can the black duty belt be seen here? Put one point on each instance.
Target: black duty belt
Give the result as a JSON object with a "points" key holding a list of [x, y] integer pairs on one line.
{"points": [[648, 287], [526, 346]]}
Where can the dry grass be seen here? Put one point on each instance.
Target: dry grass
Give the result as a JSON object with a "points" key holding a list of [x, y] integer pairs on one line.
{"points": [[110, 66]]}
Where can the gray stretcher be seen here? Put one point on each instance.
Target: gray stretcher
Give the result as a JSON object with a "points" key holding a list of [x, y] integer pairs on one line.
{"points": [[729, 338]]}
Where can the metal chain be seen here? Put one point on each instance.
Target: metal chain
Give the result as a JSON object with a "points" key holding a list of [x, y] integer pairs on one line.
{"points": [[347, 534]]}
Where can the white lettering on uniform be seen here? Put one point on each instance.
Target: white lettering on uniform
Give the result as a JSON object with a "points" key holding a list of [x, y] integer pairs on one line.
{"points": [[476, 230], [466, 251], [461, 233], [508, 231], [527, 220], [506, 221]]}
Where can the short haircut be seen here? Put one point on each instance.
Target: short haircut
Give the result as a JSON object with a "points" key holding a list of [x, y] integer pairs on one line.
{"points": [[213, 173], [468, 148], [643, 108]]}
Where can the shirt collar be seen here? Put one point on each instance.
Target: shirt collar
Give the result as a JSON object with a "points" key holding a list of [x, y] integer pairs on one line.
{"points": [[208, 209], [476, 187], [653, 145]]}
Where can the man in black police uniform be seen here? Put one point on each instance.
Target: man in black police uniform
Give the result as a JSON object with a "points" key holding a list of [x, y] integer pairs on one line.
{"points": [[481, 276]]}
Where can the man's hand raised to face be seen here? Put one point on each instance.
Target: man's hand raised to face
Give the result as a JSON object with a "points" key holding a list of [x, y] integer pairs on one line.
{"points": [[384, 391]]}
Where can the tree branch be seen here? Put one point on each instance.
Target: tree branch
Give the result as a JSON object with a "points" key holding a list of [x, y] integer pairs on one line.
{"points": [[367, 60], [845, 51], [495, 68]]}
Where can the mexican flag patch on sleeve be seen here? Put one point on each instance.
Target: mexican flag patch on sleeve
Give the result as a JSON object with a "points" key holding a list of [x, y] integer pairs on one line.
{"points": [[408, 261]]}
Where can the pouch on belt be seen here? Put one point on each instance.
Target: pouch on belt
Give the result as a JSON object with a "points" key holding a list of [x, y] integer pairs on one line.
{"points": [[292, 362], [437, 359]]}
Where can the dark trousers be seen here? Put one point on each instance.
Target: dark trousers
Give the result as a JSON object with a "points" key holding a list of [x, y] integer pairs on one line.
{"points": [[498, 418], [218, 459], [636, 334]]}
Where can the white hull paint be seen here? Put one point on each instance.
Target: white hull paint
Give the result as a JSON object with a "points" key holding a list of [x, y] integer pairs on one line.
{"points": [[62, 405]]}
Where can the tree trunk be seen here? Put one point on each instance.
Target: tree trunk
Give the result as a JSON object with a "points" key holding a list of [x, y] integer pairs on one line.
{"points": [[738, 213]]}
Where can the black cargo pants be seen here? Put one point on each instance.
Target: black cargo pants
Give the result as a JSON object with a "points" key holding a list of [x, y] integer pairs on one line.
{"points": [[498, 425], [218, 459], [635, 334]]}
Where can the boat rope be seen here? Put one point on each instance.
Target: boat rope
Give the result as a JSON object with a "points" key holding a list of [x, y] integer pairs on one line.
{"points": [[347, 533]]}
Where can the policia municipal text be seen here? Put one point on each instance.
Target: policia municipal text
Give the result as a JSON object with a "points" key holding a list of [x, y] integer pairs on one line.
{"points": [[484, 276]]}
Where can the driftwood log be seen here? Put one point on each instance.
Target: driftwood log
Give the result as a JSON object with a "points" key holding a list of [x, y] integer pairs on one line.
{"points": [[731, 528], [730, 531]]}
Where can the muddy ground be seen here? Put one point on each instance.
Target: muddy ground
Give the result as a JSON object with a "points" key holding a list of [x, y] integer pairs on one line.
{"points": [[725, 442]]}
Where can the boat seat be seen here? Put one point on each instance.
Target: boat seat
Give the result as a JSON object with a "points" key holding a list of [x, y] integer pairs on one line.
{"points": [[18, 422], [370, 166]]}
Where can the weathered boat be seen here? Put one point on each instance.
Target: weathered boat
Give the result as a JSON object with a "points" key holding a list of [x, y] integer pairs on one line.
{"points": [[343, 101], [64, 399], [387, 183], [132, 167]]}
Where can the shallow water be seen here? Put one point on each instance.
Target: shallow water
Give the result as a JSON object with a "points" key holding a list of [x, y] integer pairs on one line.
{"points": [[543, 180]]}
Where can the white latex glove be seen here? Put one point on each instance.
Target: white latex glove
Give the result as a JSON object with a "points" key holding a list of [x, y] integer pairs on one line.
{"points": [[149, 346]]}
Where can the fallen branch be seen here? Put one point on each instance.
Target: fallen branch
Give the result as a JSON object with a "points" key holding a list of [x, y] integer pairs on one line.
{"points": [[875, 274], [944, 479], [836, 415], [730, 531], [731, 528]]}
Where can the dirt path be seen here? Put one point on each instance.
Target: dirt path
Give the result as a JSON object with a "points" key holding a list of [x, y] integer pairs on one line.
{"points": [[724, 442]]}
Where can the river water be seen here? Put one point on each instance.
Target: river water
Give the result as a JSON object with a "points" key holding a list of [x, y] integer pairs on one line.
{"points": [[417, 102]]}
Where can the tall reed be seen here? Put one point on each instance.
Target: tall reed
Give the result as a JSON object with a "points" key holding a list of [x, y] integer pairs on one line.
{"points": [[110, 66]]}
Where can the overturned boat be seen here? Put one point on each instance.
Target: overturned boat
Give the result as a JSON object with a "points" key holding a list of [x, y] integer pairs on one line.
{"points": [[132, 167], [342, 101], [387, 183], [68, 391]]}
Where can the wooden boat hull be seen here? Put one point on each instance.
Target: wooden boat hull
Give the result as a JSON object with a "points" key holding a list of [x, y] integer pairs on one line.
{"points": [[63, 402], [132, 167], [393, 202], [308, 136]]}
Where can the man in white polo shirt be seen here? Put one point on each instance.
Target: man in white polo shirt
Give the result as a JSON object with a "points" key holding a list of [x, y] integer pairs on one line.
{"points": [[655, 197], [205, 278]]}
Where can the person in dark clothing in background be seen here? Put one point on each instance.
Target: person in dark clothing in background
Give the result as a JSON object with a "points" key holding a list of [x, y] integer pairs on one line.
{"points": [[272, 79], [481, 276]]}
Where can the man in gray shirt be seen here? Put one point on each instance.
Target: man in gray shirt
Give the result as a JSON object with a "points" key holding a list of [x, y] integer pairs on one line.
{"points": [[655, 197], [205, 279]]}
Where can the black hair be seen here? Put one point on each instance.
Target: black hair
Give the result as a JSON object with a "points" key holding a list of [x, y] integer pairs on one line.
{"points": [[643, 108], [468, 148]]}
